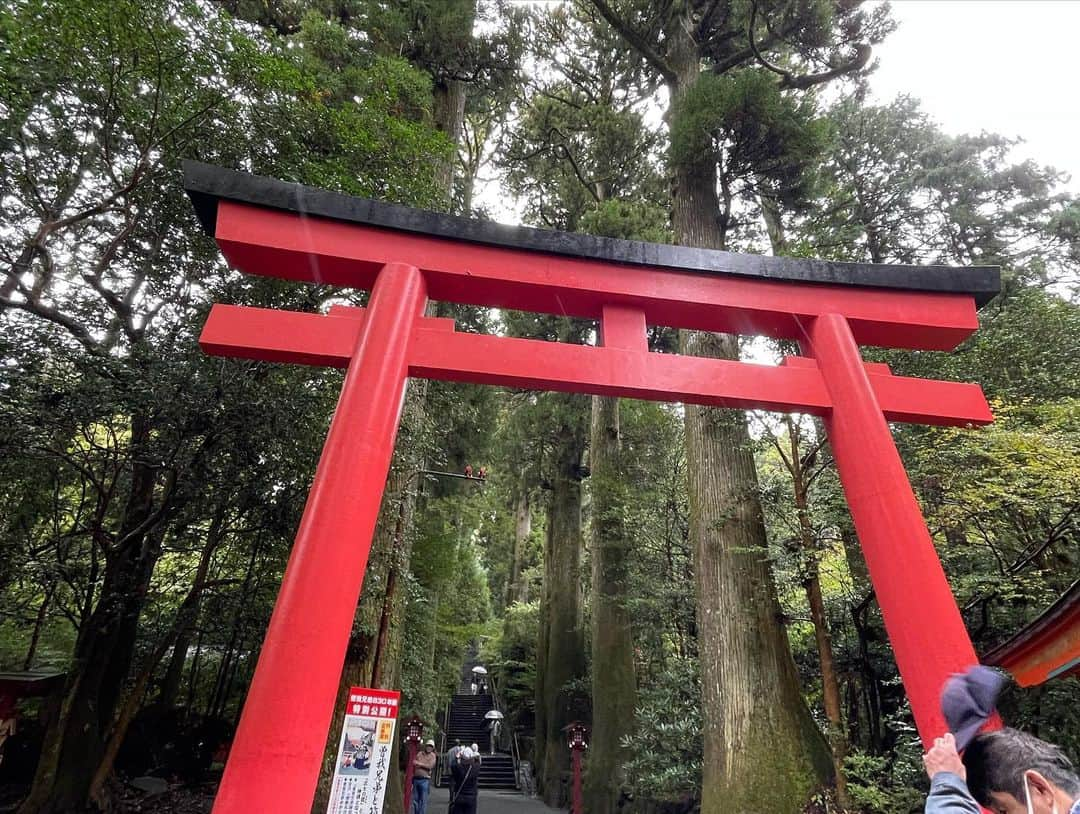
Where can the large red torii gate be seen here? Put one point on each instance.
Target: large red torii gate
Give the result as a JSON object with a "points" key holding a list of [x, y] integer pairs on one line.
{"points": [[406, 256]]}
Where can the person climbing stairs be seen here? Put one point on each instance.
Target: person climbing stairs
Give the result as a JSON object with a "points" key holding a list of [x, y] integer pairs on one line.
{"points": [[466, 723]]}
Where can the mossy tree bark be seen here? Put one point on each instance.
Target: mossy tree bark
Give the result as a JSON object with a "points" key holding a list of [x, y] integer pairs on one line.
{"points": [[763, 752], [614, 685], [562, 661]]}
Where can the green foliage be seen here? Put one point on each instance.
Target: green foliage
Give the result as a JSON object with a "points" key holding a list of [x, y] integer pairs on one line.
{"points": [[107, 281], [514, 660], [337, 115], [898, 189], [628, 220], [583, 154], [1049, 712], [756, 129], [665, 748], [875, 787]]}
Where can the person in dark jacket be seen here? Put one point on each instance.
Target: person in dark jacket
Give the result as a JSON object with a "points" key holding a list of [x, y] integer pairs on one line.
{"points": [[465, 774]]}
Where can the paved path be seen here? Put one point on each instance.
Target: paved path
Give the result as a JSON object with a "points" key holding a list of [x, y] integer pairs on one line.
{"points": [[492, 802]]}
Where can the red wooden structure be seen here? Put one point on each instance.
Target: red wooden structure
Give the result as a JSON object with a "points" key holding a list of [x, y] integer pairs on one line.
{"points": [[22, 684], [404, 257], [577, 739], [1046, 649]]}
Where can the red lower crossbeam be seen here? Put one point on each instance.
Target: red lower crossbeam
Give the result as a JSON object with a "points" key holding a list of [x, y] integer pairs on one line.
{"points": [[439, 352]]}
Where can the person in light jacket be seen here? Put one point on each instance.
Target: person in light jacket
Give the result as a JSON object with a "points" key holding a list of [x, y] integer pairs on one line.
{"points": [[1007, 771]]}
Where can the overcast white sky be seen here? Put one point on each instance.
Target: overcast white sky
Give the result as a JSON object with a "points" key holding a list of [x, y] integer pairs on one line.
{"points": [[1004, 66], [1007, 66]]}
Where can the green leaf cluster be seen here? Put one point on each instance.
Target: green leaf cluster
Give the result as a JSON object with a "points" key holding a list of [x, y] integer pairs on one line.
{"points": [[744, 119]]}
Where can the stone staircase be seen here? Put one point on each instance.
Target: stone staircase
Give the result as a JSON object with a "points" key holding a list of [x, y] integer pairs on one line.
{"points": [[465, 722]]}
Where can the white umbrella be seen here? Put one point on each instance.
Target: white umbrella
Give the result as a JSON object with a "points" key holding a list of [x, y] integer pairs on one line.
{"points": [[493, 715], [480, 671]]}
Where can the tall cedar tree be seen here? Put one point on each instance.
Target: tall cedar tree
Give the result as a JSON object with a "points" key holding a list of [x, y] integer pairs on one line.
{"points": [[582, 159], [738, 122]]}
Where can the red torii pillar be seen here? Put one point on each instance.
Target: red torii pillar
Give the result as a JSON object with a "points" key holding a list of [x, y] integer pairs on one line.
{"points": [[286, 712], [276, 755], [917, 605]]}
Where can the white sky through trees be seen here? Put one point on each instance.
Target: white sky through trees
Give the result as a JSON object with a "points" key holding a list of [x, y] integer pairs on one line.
{"points": [[1006, 66], [1010, 67]]}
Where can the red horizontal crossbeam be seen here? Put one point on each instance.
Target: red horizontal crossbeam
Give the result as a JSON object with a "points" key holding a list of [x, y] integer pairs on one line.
{"points": [[277, 243], [439, 352]]}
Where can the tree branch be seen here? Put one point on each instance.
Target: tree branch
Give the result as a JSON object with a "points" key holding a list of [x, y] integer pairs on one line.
{"points": [[635, 40], [856, 63], [790, 80], [753, 45]]}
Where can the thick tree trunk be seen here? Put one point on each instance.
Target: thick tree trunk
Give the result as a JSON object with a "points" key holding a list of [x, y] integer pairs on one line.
{"points": [[763, 752], [449, 114], [614, 687], [559, 696], [75, 743], [516, 589]]}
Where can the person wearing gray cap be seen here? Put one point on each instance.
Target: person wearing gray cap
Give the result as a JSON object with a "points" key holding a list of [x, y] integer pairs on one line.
{"points": [[1007, 771]]}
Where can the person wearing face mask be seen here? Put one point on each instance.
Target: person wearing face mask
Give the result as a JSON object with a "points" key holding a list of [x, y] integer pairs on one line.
{"points": [[1011, 772], [1007, 771]]}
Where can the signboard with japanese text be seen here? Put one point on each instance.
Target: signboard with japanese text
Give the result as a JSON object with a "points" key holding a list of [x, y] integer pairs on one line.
{"points": [[363, 766]]}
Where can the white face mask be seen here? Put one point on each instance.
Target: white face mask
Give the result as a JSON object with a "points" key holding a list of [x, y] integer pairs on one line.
{"points": [[1027, 797]]}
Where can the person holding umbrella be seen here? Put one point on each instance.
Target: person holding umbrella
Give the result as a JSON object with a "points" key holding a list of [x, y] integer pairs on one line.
{"points": [[478, 680], [494, 719]]}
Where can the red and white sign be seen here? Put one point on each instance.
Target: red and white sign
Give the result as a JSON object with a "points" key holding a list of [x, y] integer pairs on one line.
{"points": [[362, 766]]}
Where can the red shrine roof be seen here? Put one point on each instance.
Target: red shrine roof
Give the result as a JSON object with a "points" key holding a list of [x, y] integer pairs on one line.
{"points": [[1047, 648]]}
